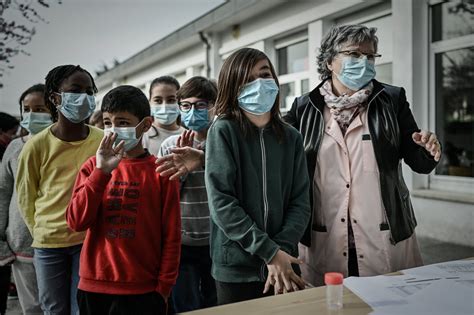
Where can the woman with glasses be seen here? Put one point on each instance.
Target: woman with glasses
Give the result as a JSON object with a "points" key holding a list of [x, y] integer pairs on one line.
{"points": [[356, 132]]}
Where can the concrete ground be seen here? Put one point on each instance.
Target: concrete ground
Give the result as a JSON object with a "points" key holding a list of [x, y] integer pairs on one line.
{"points": [[433, 251]]}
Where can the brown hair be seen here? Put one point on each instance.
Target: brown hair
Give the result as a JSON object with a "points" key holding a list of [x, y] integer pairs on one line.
{"points": [[234, 74], [199, 87]]}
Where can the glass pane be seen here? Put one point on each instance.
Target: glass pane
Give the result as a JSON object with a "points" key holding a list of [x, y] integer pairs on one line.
{"points": [[293, 58], [452, 19], [454, 75], [287, 96], [304, 86], [384, 73]]}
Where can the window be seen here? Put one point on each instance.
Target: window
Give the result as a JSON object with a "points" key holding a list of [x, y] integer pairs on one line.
{"points": [[452, 91], [293, 58], [293, 69]]}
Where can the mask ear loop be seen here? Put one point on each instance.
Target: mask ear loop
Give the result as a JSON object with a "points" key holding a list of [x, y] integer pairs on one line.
{"points": [[137, 127]]}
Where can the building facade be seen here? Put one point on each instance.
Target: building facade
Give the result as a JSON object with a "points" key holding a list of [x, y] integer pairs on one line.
{"points": [[427, 47]]}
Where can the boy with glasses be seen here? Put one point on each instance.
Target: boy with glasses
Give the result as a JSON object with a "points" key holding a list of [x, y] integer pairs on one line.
{"points": [[195, 287]]}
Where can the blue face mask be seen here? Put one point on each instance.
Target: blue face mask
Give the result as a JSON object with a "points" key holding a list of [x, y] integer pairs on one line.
{"points": [[127, 134], [356, 72], [195, 119], [258, 97], [76, 107], [36, 122], [165, 114]]}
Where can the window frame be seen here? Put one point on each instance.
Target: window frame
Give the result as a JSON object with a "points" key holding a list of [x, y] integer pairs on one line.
{"points": [[295, 77], [435, 181]]}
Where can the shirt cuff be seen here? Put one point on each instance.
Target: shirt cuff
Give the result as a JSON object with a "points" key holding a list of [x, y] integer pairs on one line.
{"points": [[98, 179]]}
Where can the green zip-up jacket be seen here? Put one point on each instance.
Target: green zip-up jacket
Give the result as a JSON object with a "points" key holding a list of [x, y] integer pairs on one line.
{"points": [[258, 192]]}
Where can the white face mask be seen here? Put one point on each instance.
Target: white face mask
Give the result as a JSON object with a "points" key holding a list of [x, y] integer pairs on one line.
{"points": [[165, 114], [76, 107], [35, 122], [127, 134]]}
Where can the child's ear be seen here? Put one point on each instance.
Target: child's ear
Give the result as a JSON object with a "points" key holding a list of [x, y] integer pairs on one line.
{"points": [[55, 99]]}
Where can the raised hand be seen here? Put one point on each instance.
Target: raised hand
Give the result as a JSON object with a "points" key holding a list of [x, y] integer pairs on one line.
{"points": [[186, 139], [429, 141], [107, 156], [281, 275]]}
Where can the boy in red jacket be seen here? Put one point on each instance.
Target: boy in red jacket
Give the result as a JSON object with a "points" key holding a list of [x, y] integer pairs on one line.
{"points": [[130, 257]]}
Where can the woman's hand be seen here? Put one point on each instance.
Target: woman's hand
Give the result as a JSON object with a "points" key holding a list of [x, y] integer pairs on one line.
{"points": [[107, 156], [281, 275], [429, 141]]}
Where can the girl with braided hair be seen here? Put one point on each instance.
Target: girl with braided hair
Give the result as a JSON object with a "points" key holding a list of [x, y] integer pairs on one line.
{"points": [[47, 168]]}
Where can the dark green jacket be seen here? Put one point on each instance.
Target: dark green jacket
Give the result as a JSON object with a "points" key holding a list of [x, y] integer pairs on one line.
{"points": [[258, 192]]}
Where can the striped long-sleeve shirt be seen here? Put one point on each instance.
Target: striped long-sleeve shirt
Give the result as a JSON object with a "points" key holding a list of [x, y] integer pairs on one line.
{"points": [[194, 206]]}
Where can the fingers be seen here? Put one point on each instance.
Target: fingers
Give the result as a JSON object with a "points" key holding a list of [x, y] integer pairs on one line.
{"points": [[182, 150], [294, 286], [437, 155], [416, 136], [166, 170], [267, 285], [164, 159], [179, 142], [295, 260], [111, 141], [120, 147], [430, 144], [103, 141], [178, 174], [295, 279], [425, 136], [278, 285], [429, 141], [187, 138], [286, 283]]}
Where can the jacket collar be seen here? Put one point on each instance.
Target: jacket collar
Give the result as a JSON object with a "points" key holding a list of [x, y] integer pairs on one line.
{"points": [[317, 100]]}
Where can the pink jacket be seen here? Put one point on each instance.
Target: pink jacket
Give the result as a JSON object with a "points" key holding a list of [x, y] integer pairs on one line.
{"points": [[346, 181]]}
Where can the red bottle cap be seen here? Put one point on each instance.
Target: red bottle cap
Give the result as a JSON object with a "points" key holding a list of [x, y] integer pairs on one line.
{"points": [[333, 278]]}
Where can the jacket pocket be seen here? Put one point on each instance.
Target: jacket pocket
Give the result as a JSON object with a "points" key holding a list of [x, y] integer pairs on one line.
{"points": [[368, 155], [236, 256]]}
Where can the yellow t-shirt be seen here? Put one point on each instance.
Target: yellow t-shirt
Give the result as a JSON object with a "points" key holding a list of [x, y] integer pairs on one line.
{"points": [[47, 169]]}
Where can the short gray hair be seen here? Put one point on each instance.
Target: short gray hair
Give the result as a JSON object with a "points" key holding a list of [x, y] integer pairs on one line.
{"points": [[336, 37]]}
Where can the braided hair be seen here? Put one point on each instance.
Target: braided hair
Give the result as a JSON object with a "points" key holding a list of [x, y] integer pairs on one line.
{"points": [[37, 88], [55, 78]]}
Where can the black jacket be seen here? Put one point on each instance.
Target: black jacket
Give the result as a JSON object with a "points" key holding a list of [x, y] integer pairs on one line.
{"points": [[391, 125]]}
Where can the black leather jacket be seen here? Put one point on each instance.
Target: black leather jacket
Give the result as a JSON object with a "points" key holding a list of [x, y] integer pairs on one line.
{"points": [[391, 125]]}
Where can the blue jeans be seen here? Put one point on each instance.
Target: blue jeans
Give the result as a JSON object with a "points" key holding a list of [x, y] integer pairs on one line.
{"points": [[195, 288], [57, 273]]}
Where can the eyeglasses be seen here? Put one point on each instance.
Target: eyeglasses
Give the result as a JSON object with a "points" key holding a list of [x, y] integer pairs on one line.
{"points": [[359, 55], [186, 106]]}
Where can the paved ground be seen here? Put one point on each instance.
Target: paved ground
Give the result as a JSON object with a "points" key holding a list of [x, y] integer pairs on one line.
{"points": [[432, 251]]}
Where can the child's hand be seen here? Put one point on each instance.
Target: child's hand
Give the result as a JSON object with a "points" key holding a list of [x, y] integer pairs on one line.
{"points": [[108, 157], [281, 275], [186, 139]]}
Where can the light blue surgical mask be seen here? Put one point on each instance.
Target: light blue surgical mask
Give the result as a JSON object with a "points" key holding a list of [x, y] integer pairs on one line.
{"points": [[76, 107], [195, 119], [258, 97], [36, 122], [127, 134], [356, 72], [165, 114]]}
